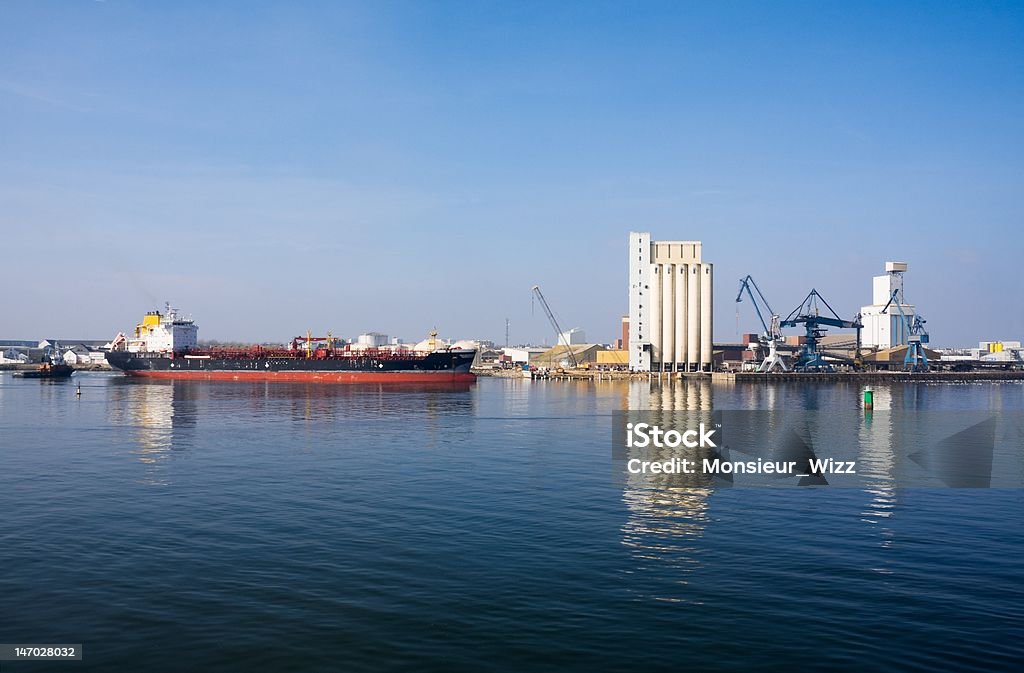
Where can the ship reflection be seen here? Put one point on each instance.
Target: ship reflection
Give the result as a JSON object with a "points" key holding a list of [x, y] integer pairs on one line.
{"points": [[314, 402], [667, 514], [163, 414], [162, 417], [320, 409]]}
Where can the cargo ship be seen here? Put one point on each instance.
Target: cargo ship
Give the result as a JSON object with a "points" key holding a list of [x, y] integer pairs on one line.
{"points": [[165, 345]]}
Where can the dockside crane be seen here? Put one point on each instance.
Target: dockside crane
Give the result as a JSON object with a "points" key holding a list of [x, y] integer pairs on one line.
{"points": [[809, 314], [915, 360], [554, 324], [772, 335]]}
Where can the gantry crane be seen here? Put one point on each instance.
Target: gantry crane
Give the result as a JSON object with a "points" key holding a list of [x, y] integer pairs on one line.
{"points": [[809, 313], [772, 335], [915, 360], [554, 324]]}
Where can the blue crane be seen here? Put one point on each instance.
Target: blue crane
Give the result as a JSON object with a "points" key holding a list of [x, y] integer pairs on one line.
{"points": [[809, 313], [915, 360], [772, 335]]}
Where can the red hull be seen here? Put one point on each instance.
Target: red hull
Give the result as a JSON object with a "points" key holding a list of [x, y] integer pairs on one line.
{"points": [[311, 377]]}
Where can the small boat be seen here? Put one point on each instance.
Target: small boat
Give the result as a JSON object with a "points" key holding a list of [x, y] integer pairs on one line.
{"points": [[47, 370]]}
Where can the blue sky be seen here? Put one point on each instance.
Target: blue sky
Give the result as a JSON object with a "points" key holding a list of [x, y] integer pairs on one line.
{"points": [[273, 167]]}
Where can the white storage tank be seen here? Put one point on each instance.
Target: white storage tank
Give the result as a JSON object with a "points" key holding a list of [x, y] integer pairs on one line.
{"points": [[372, 340]]}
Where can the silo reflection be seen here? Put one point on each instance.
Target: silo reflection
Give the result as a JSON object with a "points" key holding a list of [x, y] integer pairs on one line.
{"points": [[667, 513]]}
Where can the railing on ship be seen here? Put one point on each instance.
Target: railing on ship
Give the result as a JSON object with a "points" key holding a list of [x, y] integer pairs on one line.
{"points": [[301, 354]]}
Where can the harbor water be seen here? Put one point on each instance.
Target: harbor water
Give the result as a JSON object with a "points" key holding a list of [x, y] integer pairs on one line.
{"points": [[183, 526]]}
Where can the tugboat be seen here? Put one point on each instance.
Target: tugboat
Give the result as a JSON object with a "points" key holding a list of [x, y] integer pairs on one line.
{"points": [[51, 366], [47, 371]]}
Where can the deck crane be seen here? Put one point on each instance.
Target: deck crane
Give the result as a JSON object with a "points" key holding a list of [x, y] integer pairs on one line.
{"points": [[554, 324], [915, 360], [772, 335], [809, 313]]}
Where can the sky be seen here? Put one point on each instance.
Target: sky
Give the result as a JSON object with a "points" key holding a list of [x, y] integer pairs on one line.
{"points": [[395, 166]]}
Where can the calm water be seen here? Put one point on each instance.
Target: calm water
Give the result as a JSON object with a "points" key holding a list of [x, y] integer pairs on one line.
{"points": [[201, 527]]}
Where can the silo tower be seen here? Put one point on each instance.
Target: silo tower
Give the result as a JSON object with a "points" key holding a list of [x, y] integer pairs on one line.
{"points": [[886, 330]]}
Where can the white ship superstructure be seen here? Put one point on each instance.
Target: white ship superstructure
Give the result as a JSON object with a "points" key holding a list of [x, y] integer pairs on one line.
{"points": [[167, 332]]}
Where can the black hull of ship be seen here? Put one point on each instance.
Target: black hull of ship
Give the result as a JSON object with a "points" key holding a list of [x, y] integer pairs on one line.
{"points": [[440, 366]]}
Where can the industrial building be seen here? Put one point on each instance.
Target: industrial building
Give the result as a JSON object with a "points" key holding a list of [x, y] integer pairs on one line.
{"points": [[987, 354], [670, 306], [522, 355], [612, 359], [573, 337], [887, 329], [622, 343], [559, 355]]}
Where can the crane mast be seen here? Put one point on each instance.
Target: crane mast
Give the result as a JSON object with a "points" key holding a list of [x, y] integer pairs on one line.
{"points": [[915, 360], [809, 312], [554, 324], [772, 335]]}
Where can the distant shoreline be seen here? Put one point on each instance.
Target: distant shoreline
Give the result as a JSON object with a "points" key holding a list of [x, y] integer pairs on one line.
{"points": [[29, 366], [753, 377]]}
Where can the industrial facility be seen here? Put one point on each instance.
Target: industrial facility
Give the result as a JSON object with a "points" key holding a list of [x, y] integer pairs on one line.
{"points": [[884, 328], [669, 328], [670, 306], [888, 335]]}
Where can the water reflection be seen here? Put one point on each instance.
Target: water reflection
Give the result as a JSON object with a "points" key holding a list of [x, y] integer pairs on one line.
{"points": [[163, 415], [313, 402], [876, 461], [321, 410], [676, 395], [667, 514], [663, 529]]}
